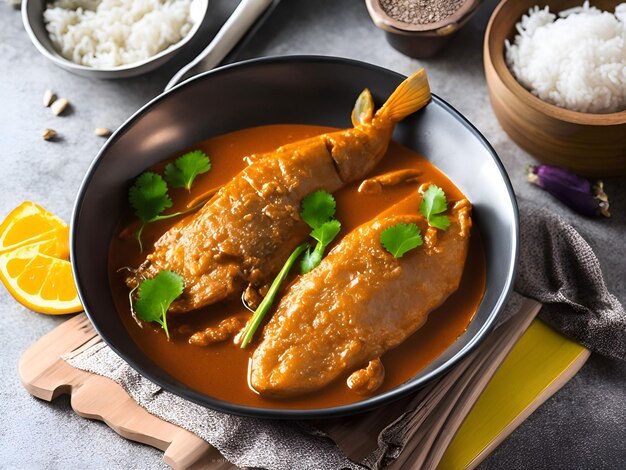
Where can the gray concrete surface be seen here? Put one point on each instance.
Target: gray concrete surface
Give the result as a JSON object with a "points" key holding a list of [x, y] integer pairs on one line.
{"points": [[582, 426]]}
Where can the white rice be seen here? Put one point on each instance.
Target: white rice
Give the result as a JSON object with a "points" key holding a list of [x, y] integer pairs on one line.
{"points": [[109, 33], [577, 61]]}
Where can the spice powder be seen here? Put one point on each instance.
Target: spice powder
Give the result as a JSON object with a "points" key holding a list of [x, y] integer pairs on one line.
{"points": [[420, 11]]}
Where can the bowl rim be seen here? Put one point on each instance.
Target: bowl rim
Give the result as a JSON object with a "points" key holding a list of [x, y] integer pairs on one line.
{"points": [[447, 25], [494, 58], [395, 393], [58, 59]]}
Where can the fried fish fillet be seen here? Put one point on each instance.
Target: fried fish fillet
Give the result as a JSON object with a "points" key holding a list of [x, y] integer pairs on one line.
{"points": [[357, 304]]}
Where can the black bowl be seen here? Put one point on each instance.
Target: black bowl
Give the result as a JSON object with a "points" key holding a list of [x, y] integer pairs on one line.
{"points": [[304, 90]]}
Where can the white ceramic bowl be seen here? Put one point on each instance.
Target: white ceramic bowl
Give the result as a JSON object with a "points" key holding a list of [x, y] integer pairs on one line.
{"points": [[32, 16]]}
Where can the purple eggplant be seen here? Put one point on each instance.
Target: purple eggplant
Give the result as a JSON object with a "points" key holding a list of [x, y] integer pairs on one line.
{"points": [[572, 190]]}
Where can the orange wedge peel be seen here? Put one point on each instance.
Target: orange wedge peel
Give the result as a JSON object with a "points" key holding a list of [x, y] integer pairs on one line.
{"points": [[34, 260]]}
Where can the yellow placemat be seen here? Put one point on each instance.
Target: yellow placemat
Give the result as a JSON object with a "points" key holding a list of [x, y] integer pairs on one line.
{"points": [[540, 364]]}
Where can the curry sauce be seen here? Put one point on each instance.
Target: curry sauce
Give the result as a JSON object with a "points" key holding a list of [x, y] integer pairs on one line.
{"points": [[221, 369]]}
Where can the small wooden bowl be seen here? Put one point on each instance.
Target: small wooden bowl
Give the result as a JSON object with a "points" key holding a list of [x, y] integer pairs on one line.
{"points": [[420, 40], [590, 144]]}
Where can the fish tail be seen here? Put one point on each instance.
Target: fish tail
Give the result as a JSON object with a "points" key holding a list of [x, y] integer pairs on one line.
{"points": [[363, 108], [411, 95]]}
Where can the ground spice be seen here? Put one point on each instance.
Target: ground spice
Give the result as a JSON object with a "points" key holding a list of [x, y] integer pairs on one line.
{"points": [[420, 11]]}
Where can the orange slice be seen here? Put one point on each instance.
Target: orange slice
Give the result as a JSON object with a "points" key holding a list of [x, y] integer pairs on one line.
{"points": [[34, 260], [30, 224], [40, 282]]}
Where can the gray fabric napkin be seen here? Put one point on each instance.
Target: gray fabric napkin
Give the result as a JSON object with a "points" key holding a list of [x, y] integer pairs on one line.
{"points": [[559, 269], [556, 267]]}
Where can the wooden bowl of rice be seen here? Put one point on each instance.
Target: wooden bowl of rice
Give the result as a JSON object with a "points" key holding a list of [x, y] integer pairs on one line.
{"points": [[589, 144]]}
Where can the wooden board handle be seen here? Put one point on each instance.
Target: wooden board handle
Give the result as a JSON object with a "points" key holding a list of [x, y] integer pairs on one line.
{"points": [[46, 375]]}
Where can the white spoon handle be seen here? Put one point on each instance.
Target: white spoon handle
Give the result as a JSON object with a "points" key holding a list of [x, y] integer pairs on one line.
{"points": [[228, 36]]}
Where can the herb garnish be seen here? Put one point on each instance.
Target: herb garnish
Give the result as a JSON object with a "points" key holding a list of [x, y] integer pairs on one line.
{"points": [[267, 301], [401, 238], [148, 196], [318, 208], [324, 234], [156, 295], [185, 168], [433, 204]]}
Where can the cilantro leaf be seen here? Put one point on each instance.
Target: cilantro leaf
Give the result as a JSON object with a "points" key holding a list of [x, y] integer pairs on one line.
{"points": [[156, 295], [148, 196], [318, 208], [310, 260], [185, 168], [326, 232], [442, 222], [433, 204], [401, 238]]}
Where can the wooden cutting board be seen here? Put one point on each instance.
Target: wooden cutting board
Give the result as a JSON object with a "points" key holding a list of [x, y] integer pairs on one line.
{"points": [[539, 364], [46, 375]]}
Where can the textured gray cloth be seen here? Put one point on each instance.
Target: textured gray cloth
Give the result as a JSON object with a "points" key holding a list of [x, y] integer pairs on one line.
{"points": [[246, 442], [556, 267]]}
